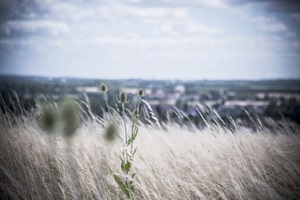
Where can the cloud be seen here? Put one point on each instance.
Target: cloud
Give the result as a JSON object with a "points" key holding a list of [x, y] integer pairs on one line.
{"points": [[274, 27], [272, 5], [182, 3], [269, 24], [71, 11], [265, 23], [48, 27], [145, 32], [284, 5], [296, 16], [185, 27], [162, 21], [123, 10]]}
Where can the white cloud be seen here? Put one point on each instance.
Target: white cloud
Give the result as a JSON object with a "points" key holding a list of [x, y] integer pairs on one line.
{"points": [[265, 23], [167, 29], [52, 28], [123, 10], [274, 27], [182, 27], [185, 43], [194, 27], [161, 21], [71, 11], [269, 24], [186, 3], [161, 33], [16, 42], [213, 3]]}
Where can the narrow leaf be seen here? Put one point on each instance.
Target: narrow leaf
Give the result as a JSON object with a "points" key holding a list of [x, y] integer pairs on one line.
{"points": [[133, 175], [122, 186], [134, 151]]}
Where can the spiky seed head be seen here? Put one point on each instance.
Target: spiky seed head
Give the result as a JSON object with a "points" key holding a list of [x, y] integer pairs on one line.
{"points": [[135, 112], [70, 115], [48, 118], [123, 97], [141, 92], [103, 87]]}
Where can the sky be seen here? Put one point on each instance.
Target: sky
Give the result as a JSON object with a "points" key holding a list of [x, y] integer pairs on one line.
{"points": [[151, 39]]}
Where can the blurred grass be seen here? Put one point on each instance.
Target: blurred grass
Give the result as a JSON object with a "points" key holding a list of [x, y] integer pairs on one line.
{"points": [[171, 163]]}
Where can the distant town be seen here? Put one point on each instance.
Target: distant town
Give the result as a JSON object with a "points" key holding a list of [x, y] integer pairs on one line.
{"points": [[232, 103]]}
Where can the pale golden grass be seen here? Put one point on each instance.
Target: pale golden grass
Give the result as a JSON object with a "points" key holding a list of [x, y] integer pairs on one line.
{"points": [[170, 164]]}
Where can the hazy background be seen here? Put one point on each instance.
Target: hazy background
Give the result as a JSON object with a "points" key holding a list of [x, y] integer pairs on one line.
{"points": [[151, 39]]}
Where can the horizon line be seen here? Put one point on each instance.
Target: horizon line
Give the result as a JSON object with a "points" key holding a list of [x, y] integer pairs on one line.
{"points": [[147, 79]]}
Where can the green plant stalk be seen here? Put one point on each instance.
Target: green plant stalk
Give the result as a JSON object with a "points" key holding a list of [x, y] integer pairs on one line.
{"points": [[132, 129], [106, 99], [126, 142], [124, 120], [133, 125], [127, 154]]}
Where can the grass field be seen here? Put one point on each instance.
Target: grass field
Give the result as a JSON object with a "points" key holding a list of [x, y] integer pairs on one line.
{"points": [[170, 163]]}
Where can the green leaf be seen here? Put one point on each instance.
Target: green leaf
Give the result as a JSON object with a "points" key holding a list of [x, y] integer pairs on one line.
{"points": [[131, 186], [123, 167], [122, 186], [127, 167], [134, 151], [129, 141], [135, 134], [120, 158], [134, 130], [133, 175]]}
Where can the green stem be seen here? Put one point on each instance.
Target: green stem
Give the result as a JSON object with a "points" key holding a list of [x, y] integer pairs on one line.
{"points": [[133, 123], [132, 130], [105, 99], [123, 107], [126, 143]]}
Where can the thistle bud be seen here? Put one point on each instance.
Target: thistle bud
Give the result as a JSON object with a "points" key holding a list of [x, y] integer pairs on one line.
{"points": [[141, 92], [103, 87], [123, 97], [135, 112]]}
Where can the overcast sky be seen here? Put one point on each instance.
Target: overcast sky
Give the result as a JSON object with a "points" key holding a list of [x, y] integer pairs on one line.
{"points": [[152, 39]]}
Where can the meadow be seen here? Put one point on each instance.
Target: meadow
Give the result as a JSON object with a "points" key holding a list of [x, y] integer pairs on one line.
{"points": [[171, 161]]}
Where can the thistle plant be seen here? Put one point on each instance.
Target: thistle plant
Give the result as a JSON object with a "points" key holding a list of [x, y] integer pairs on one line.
{"points": [[123, 101], [103, 88], [127, 154]]}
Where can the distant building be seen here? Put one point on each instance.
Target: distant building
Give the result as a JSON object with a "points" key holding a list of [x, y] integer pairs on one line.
{"points": [[179, 89]]}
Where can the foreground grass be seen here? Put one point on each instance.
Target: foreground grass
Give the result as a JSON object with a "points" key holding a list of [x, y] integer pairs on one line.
{"points": [[170, 164]]}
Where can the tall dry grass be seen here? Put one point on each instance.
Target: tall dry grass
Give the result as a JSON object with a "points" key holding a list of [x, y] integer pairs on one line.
{"points": [[171, 163]]}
